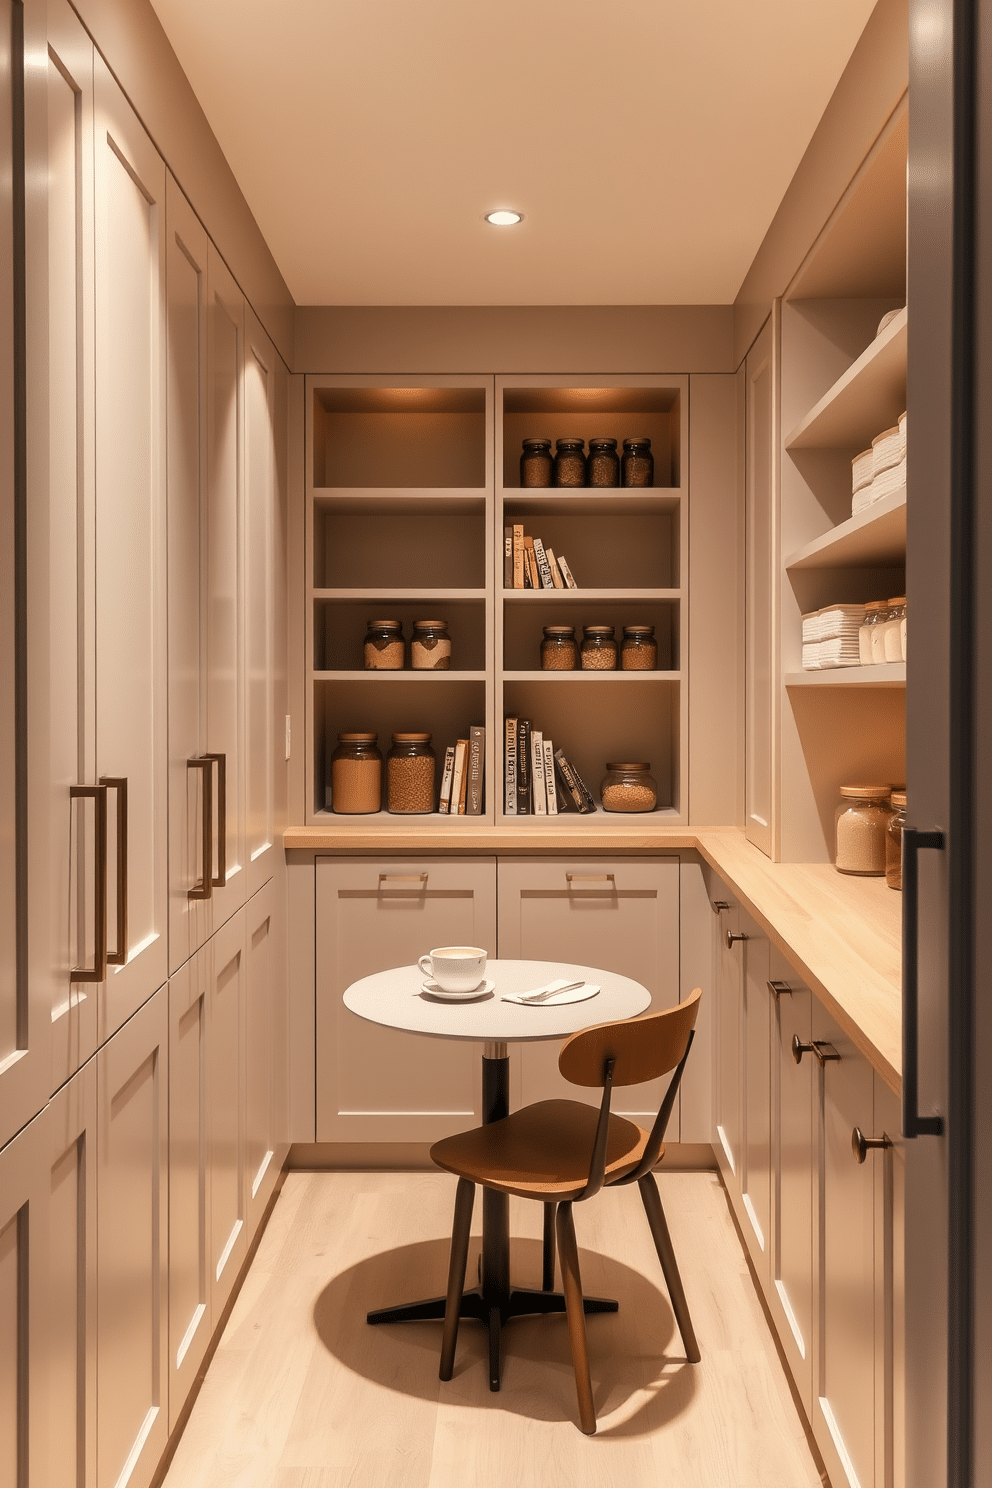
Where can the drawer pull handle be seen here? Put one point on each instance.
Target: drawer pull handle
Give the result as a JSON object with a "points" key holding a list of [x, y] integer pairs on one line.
{"points": [[733, 935], [118, 783], [203, 887], [220, 878], [590, 878], [860, 1144], [98, 795], [823, 1051], [780, 989], [913, 1124], [719, 904], [403, 878]]}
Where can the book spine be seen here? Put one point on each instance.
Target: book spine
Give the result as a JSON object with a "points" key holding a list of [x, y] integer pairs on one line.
{"points": [[588, 796], [535, 577], [458, 778], [543, 566], [444, 801], [507, 557], [556, 577], [510, 777], [523, 766], [572, 783], [518, 555], [566, 573], [476, 767], [537, 773], [463, 787], [550, 789]]}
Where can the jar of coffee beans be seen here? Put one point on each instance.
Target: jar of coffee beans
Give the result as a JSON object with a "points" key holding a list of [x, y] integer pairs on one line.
{"points": [[603, 465], [559, 649], [410, 775], [637, 463], [628, 787], [860, 823], [893, 840], [536, 463], [570, 462], [599, 648], [430, 649], [356, 775], [639, 652], [384, 646]]}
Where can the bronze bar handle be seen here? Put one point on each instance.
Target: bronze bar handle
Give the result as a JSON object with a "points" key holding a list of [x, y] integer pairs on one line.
{"points": [[780, 989], [824, 1052], [860, 1144], [119, 784], [719, 904], [98, 971], [221, 878], [591, 878], [733, 935], [203, 888], [403, 878]]}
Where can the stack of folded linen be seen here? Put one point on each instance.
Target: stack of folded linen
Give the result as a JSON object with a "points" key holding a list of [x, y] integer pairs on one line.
{"points": [[830, 637], [882, 469]]}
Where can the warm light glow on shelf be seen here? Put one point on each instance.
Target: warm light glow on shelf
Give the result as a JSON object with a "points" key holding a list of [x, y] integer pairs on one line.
{"points": [[504, 219]]}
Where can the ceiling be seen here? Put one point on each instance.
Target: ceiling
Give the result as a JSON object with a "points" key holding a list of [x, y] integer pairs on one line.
{"points": [[647, 142]]}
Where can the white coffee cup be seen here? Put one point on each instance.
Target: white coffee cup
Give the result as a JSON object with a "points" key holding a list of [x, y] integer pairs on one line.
{"points": [[455, 968]]}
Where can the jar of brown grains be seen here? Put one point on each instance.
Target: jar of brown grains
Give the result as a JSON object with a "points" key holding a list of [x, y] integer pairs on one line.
{"points": [[410, 768], [639, 652], [536, 463], [637, 465], [430, 649], [356, 775], [860, 822], [599, 648], [559, 649], [570, 462], [603, 464], [384, 646], [893, 840], [628, 787]]}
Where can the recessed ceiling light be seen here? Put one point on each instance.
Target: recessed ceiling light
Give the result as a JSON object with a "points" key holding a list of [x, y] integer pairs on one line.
{"points": [[504, 219]]}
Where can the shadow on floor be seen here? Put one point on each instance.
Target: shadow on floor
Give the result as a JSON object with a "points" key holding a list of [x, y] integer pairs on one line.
{"points": [[637, 1363]]}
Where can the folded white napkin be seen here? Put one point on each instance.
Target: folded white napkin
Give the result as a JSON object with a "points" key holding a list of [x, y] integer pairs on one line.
{"points": [[566, 993]]}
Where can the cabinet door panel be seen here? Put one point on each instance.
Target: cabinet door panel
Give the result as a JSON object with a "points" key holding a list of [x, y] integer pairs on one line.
{"points": [[260, 535], [728, 979], [376, 1084], [757, 1088], [761, 420], [71, 1120], [265, 1045], [131, 539], [890, 1291], [132, 1237], [23, 1310], [226, 1098], [618, 914]]}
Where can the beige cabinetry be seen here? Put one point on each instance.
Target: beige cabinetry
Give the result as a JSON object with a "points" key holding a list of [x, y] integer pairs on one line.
{"points": [[760, 494], [24, 1423], [265, 1045]]}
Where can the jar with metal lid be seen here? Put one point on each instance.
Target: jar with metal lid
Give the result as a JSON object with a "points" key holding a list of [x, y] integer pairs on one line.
{"points": [[570, 462], [893, 840], [902, 630], [430, 649], [536, 463], [860, 822], [410, 767], [599, 648], [559, 649], [628, 787], [356, 775], [892, 629], [637, 465], [878, 633], [874, 615], [639, 652], [603, 464], [384, 646]]}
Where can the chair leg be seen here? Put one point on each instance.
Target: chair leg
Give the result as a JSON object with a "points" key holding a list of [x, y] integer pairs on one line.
{"points": [[548, 1281], [464, 1203], [651, 1199], [572, 1286]]}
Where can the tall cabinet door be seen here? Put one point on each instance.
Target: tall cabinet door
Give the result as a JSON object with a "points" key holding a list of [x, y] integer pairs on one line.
{"points": [[260, 623], [620, 914], [761, 604], [225, 1084], [265, 1045], [23, 1309], [131, 642]]}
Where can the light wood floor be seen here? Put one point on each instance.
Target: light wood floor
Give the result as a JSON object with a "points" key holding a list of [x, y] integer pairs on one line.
{"points": [[301, 1393]]}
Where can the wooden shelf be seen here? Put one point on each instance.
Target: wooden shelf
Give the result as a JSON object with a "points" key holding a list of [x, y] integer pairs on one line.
{"points": [[591, 501], [396, 596], [890, 674], [578, 596], [664, 818], [590, 676], [873, 538], [867, 399], [407, 674], [394, 501]]}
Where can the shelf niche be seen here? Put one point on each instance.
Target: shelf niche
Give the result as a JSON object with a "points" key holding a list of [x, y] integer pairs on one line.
{"points": [[606, 550], [427, 438], [587, 412], [523, 625], [339, 632]]}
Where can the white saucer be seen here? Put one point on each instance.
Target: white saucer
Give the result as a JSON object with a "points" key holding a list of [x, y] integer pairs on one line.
{"points": [[433, 990]]}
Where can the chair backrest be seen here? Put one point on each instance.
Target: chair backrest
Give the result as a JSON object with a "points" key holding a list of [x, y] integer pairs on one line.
{"points": [[643, 1047]]}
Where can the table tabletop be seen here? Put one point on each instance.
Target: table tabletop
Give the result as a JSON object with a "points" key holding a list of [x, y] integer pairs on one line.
{"points": [[395, 999]]}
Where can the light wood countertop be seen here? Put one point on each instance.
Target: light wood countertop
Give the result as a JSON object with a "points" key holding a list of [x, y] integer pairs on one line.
{"points": [[842, 935]]}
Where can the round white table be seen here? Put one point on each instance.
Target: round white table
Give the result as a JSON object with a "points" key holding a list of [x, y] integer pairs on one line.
{"points": [[395, 998]]}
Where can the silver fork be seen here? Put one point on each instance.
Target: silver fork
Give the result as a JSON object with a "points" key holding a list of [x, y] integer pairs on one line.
{"points": [[552, 992]]}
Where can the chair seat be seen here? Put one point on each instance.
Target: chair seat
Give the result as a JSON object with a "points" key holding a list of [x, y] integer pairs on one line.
{"points": [[541, 1151]]}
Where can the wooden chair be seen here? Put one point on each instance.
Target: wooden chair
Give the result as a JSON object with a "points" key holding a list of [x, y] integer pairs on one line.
{"points": [[561, 1153]]}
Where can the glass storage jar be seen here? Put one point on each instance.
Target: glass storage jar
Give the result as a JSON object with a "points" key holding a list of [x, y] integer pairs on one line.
{"points": [[628, 787], [569, 463], [639, 652], [603, 464], [356, 775], [878, 633], [892, 634], [384, 646], [536, 463], [893, 840], [430, 649], [637, 465], [874, 613], [559, 649], [859, 824], [410, 767], [599, 648]]}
